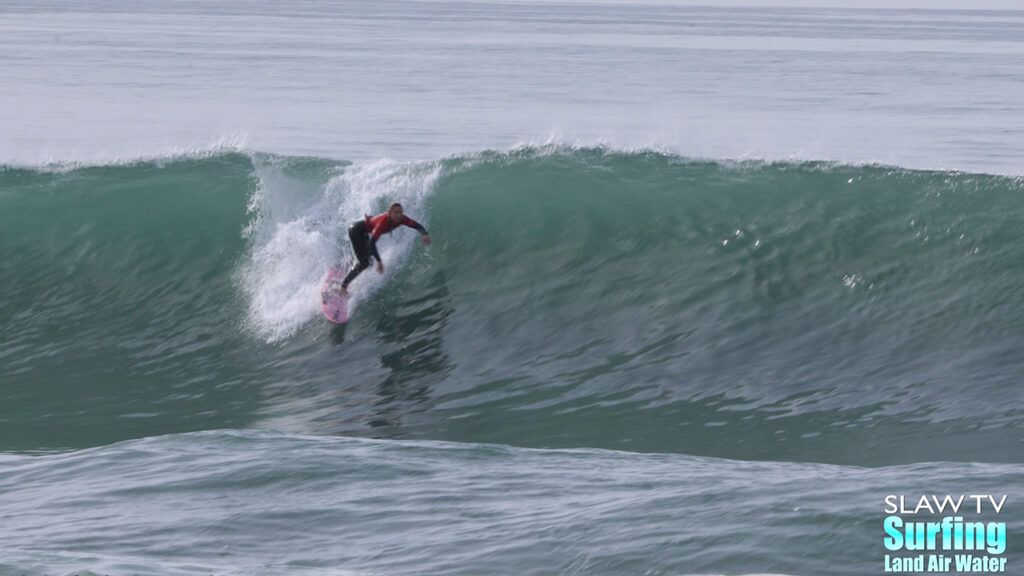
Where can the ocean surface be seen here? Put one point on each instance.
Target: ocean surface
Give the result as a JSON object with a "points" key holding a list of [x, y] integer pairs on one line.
{"points": [[707, 285]]}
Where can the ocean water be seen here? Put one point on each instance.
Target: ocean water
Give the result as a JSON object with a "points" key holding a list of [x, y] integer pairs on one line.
{"points": [[708, 284]]}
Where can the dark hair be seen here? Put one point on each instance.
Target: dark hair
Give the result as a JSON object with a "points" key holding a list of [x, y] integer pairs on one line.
{"points": [[395, 205]]}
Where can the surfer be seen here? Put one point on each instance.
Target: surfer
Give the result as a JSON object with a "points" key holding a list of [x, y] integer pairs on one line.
{"points": [[364, 235]]}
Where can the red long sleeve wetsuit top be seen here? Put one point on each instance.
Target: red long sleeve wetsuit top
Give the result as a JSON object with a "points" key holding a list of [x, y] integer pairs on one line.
{"points": [[381, 224]]}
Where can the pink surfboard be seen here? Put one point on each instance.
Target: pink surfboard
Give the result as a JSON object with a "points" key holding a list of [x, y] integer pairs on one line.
{"points": [[334, 305]]}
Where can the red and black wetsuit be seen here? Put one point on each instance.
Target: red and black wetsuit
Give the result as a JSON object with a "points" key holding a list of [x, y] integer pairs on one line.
{"points": [[364, 235]]}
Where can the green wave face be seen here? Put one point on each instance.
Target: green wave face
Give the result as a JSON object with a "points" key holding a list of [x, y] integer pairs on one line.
{"points": [[571, 297]]}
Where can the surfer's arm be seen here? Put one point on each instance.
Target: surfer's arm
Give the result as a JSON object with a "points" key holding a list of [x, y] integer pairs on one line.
{"points": [[418, 227], [373, 250]]}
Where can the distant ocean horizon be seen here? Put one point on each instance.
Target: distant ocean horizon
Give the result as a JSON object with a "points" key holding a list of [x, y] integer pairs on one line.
{"points": [[929, 86]]}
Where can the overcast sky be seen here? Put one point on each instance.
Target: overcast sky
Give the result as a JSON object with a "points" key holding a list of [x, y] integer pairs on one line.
{"points": [[899, 4]]}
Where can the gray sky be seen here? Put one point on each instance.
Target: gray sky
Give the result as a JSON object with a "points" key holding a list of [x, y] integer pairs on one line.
{"points": [[898, 4]]}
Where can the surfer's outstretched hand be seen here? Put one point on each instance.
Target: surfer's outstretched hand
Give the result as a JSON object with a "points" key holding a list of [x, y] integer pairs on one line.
{"points": [[380, 267], [426, 239]]}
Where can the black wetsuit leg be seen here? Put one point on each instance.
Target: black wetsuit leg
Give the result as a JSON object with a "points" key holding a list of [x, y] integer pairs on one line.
{"points": [[360, 238]]}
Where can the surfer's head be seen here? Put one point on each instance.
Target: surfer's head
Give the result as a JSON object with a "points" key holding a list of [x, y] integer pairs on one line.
{"points": [[395, 212]]}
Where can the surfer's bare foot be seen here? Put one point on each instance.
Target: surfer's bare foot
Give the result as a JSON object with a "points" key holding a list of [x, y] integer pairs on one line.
{"points": [[342, 292]]}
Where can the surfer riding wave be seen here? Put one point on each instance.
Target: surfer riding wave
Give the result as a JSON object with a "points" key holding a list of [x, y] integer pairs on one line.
{"points": [[365, 233]]}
